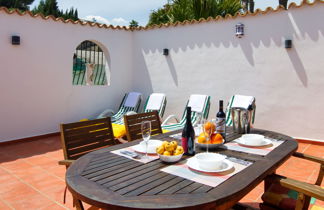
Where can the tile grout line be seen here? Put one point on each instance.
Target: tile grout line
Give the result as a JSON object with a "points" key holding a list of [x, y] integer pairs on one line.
{"points": [[44, 170], [26, 161], [6, 203], [34, 188], [308, 145], [308, 179]]}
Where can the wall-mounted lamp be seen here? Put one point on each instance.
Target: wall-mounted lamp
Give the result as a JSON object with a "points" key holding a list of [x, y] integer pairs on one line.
{"points": [[15, 40], [239, 30], [288, 43], [165, 52]]}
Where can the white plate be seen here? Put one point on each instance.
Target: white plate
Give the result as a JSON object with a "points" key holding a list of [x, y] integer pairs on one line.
{"points": [[193, 164], [151, 147], [210, 146], [264, 142]]}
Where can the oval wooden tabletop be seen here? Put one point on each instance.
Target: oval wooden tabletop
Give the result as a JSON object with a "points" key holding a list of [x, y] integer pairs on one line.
{"points": [[107, 180]]}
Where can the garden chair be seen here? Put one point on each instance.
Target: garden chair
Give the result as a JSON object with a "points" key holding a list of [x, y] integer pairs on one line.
{"points": [[80, 138], [285, 193], [133, 124], [130, 103], [156, 101], [199, 104], [247, 102]]}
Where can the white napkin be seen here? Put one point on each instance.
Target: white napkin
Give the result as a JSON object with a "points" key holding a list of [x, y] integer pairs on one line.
{"points": [[155, 101], [197, 102], [241, 101], [132, 99]]}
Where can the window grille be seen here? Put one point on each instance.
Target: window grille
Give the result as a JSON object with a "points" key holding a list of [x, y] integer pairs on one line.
{"points": [[89, 53]]}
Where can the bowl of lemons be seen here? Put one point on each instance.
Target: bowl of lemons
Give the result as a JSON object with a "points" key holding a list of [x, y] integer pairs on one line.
{"points": [[170, 152]]}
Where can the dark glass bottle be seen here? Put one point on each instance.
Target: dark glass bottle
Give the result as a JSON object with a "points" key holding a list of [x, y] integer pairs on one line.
{"points": [[221, 120], [188, 135]]}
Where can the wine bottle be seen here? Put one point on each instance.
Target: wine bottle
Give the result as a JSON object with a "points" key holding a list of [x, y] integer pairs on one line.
{"points": [[188, 135], [221, 120]]}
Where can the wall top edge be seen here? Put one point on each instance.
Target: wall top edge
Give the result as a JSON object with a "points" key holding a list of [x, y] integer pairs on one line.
{"points": [[186, 22]]}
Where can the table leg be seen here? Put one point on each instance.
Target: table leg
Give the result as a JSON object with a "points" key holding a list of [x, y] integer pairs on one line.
{"points": [[77, 203]]}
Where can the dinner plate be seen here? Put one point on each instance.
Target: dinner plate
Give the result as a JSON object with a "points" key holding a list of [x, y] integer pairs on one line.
{"points": [[264, 142], [151, 147], [210, 146], [192, 163]]}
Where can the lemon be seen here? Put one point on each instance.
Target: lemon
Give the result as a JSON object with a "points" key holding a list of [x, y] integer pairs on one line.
{"points": [[166, 153], [160, 150]]}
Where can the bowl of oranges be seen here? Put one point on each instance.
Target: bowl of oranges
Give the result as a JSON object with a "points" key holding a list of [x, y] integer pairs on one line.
{"points": [[215, 139], [170, 152]]}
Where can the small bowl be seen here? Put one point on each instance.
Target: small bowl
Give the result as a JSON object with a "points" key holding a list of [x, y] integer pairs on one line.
{"points": [[170, 159], [253, 138], [210, 161]]}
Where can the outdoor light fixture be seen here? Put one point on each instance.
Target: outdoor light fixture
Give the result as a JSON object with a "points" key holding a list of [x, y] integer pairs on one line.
{"points": [[165, 52], [288, 43], [239, 30], [15, 40]]}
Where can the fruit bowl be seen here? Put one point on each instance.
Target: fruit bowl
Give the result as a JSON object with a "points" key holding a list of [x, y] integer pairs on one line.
{"points": [[170, 152], [171, 158], [215, 141], [210, 146]]}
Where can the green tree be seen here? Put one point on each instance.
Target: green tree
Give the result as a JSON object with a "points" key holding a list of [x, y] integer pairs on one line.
{"points": [[47, 7], [133, 24], [50, 7], [16, 4], [180, 10], [161, 15]]}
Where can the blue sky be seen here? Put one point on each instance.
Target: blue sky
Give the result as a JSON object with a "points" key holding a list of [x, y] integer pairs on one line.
{"points": [[121, 12]]}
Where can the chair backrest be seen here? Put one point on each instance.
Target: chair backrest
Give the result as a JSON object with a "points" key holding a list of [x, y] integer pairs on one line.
{"points": [[205, 104], [80, 138], [133, 124], [156, 101], [132, 100], [244, 101]]}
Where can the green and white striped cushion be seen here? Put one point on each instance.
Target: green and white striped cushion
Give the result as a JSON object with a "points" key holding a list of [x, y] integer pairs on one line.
{"points": [[194, 117], [118, 117], [160, 111]]}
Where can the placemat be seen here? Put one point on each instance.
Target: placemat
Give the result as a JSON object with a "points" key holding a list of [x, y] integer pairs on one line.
{"points": [[176, 136], [253, 150], [211, 179], [140, 158]]}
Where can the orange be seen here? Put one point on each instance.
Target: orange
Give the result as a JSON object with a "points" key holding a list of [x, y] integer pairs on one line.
{"points": [[202, 138], [210, 126], [216, 138]]}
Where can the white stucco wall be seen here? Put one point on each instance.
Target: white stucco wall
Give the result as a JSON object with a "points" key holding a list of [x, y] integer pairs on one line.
{"points": [[208, 59], [36, 76]]}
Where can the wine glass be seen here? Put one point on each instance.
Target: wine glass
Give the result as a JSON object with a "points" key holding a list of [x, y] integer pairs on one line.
{"points": [[208, 128], [146, 133], [200, 122]]}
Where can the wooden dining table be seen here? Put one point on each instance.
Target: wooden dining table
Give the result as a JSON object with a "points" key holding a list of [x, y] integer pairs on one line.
{"points": [[111, 181]]}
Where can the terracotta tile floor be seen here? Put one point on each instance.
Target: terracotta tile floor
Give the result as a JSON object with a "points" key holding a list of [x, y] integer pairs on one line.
{"points": [[30, 177]]}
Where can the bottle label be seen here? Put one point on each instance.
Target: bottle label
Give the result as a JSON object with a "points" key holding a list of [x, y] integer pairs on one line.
{"points": [[220, 125], [184, 144]]}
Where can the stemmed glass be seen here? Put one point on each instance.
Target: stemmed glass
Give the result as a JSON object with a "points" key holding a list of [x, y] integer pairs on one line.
{"points": [[146, 133], [200, 122], [208, 127]]}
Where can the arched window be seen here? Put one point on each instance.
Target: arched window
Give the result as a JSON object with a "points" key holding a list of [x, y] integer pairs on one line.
{"points": [[90, 65]]}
